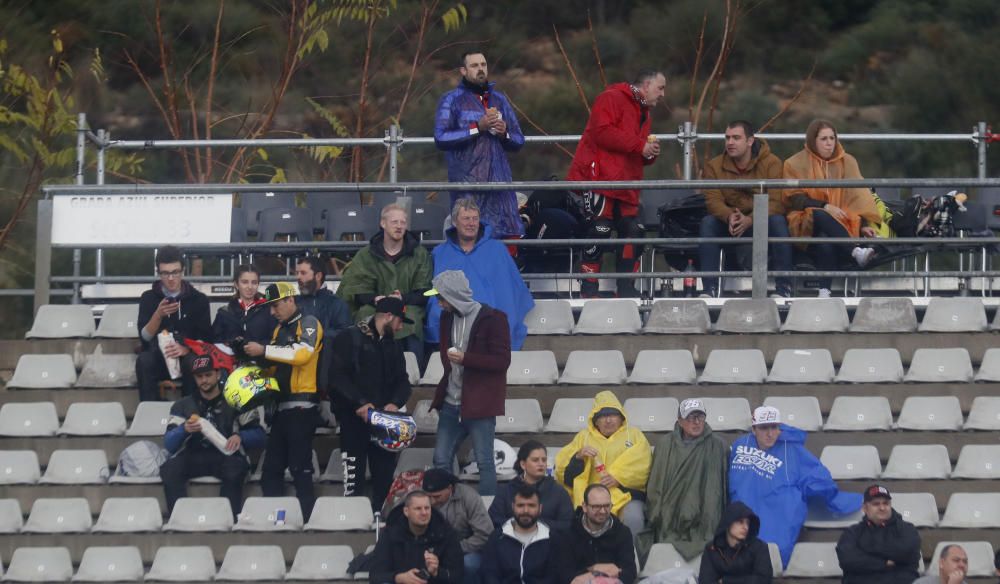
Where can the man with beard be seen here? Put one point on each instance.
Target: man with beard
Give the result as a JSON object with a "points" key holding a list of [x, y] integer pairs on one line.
{"points": [[523, 550], [417, 547], [598, 544], [315, 300], [476, 127], [881, 547]]}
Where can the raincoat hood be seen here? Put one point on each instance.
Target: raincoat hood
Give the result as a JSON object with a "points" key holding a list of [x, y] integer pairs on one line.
{"points": [[453, 286], [607, 399], [734, 512]]}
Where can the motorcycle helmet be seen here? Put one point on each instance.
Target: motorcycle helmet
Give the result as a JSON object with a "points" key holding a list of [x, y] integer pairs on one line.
{"points": [[392, 431], [247, 387]]}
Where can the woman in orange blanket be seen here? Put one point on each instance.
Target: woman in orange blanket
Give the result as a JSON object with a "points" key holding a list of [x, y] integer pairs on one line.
{"points": [[826, 211]]}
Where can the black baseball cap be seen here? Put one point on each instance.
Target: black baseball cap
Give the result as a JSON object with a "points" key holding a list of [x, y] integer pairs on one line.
{"points": [[394, 306], [438, 479], [202, 364], [876, 491]]}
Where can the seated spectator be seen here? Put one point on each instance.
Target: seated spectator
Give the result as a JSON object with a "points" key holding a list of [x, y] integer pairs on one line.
{"points": [[735, 553], [523, 550], [597, 544], [771, 471], [687, 485], [463, 509], [730, 211], [531, 467], [171, 306], [829, 211], [610, 452], [192, 455], [953, 565], [245, 316], [417, 546], [393, 263], [469, 247], [548, 215], [881, 547]]}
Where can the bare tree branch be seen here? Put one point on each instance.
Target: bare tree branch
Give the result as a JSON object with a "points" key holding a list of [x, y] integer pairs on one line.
{"points": [[572, 72], [791, 102], [597, 53]]}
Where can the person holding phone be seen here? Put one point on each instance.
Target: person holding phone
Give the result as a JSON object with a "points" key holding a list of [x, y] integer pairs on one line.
{"points": [[417, 547]]}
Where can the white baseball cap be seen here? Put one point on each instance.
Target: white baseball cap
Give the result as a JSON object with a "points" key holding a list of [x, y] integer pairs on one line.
{"points": [[691, 405], [766, 415]]}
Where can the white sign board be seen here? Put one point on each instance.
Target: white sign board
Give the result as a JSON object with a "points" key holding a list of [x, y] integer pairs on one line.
{"points": [[139, 219]]}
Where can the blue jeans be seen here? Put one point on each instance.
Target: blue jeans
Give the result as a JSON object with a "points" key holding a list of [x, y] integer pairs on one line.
{"points": [[473, 560], [452, 430], [708, 253]]}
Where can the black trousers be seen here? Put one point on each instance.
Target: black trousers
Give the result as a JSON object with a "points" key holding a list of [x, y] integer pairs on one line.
{"points": [[828, 256], [151, 369], [290, 446], [190, 464], [359, 451]]}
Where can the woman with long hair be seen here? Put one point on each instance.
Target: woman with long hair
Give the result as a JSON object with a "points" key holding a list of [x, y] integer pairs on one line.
{"points": [[532, 469], [245, 316]]}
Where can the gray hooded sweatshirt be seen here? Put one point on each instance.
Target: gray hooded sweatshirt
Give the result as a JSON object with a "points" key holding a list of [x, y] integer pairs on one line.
{"points": [[453, 286]]}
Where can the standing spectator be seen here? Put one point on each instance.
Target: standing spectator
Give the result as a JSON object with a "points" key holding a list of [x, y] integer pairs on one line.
{"points": [[192, 455], [829, 211], [332, 312], [610, 452], [616, 145], [687, 485], [771, 471], [730, 211], [417, 547], [736, 554], [881, 548], [493, 276], [476, 127], [247, 315], [475, 352], [532, 466], [294, 352], [464, 511], [597, 544], [393, 263], [171, 305], [953, 565], [524, 550], [367, 373]]}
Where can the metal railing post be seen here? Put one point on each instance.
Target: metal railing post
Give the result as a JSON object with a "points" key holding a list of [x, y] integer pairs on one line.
{"points": [[81, 155], [102, 138], [981, 146], [759, 289], [43, 253], [688, 135], [394, 144]]}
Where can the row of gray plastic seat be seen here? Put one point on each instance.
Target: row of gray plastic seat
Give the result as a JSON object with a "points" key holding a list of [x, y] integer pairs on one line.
{"points": [[819, 560]]}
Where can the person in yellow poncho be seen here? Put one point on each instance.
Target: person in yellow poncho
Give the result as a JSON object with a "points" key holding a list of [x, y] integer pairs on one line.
{"points": [[610, 452], [827, 211]]}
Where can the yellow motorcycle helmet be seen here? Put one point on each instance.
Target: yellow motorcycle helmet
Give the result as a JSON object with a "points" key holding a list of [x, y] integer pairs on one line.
{"points": [[248, 387]]}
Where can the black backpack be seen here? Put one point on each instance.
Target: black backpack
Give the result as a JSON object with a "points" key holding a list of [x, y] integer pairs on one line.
{"points": [[906, 215]]}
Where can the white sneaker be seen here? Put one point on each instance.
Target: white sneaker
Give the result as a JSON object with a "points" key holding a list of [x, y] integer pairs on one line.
{"points": [[863, 255], [823, 293]]}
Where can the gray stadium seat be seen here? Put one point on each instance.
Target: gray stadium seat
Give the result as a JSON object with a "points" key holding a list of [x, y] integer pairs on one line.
{"points": [[920, 509], [110, 564], [851, 462], [532, 368], [663, 366], [980, 558], [569, 414], [989, 367], [321, 562], [426, 419], [776, 568], [19, 467], [58, 516], [978, 461], [11, 519], [119, 322], [129, 515], [608, 317], [662, 556], [884, 315], [678, 317], [594, 368], [954, 315], [870, 366], [819, 517], [972, 511], [930, 413], [412, 367], [816, 315], [334, 471], [415, 459], [39, 564], [94, 419], [744, 315], [76, 467], [61, 321], [802, 366], [182, 564], [200, 514], [801, 412], [734, 366], [940, 366], [814, 560], [520, 415], [917, 461], [651, 414], [859, 413], [108, 371], [433, 372], [550, 317], [30, 419], [725, 414], [261, 514], [984, 414], [487, 500], [51, 371], [213, 308], [341, 514], [248, 563], [150, 419]]}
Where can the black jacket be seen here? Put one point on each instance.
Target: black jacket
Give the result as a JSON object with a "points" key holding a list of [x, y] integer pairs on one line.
{"points": [[367, 368], [748, 563], [192, 321], [614, 546], [557, 507], [398, 550], [865, 546], [506, 561], [332, 312], [232, 322]]}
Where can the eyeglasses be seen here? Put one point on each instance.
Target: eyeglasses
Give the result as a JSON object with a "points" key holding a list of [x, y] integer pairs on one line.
{"points": [[599, 507], [696, 418], [171, 273]]}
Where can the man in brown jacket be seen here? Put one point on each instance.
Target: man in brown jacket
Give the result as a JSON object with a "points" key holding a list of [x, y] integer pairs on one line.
{"points": [[730, 211]]}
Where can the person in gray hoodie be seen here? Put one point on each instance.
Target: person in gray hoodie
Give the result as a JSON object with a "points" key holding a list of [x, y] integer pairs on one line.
{"points": [[463, 509], [475, 352]]}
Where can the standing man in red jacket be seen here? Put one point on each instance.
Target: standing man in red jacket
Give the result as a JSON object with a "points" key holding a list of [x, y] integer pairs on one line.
{"points": [[616, 145]]}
